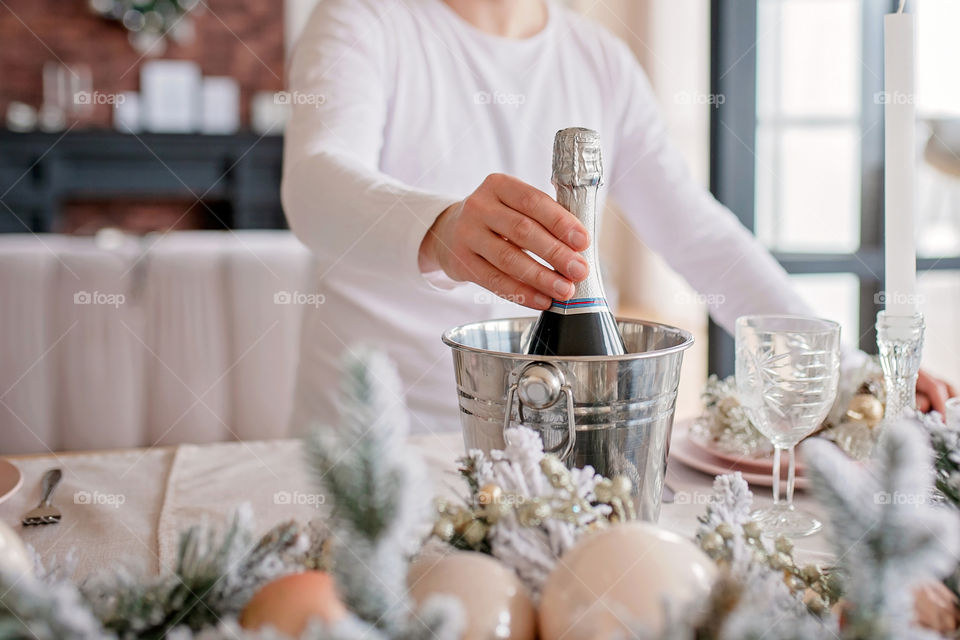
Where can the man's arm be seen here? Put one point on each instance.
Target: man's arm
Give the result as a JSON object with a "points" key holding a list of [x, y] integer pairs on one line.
{"points": [[336, 200]]}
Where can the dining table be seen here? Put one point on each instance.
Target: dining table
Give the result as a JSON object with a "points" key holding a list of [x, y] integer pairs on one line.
{"points": [[125, 509]]}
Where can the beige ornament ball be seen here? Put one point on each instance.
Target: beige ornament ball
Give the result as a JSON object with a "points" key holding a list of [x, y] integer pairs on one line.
{"points": [[496, 604], [866, 409], [14, 556], [619, 576], [289, 603]]}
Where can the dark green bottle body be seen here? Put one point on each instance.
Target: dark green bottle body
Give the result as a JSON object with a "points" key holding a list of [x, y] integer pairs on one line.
{"points": [[578, 334]]}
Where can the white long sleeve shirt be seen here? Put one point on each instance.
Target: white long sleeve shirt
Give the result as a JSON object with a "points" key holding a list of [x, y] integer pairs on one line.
{"points": [[401, 108]]}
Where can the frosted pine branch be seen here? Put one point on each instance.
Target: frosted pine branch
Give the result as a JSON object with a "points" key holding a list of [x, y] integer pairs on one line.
{"points": [[376, 488], [887, 533]]}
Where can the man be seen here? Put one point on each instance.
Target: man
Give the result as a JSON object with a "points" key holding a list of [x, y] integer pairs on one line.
{"points": [[417, 166]]}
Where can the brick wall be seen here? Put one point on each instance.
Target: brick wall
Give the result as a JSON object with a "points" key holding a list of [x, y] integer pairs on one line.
{"points": [[238, 38]]}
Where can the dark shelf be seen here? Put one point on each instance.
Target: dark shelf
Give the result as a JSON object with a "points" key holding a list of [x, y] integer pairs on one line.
{"points": [[39, 172]]}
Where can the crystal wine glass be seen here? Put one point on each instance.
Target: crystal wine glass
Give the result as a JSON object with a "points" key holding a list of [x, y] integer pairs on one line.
{"points": [[787, 373]]}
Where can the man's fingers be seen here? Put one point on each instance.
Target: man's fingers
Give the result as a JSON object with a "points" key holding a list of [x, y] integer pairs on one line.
{"points": [[527, 233], [529, 200], [505, 286], [938, 399], [923, 402], [508, 257]]}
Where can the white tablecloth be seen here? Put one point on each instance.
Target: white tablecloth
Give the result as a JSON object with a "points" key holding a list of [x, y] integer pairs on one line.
{"points": [[128, 507]]}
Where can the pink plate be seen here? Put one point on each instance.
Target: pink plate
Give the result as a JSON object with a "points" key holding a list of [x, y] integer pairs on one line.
{"points": [[742, 462], [10, 479], [684, 450]]}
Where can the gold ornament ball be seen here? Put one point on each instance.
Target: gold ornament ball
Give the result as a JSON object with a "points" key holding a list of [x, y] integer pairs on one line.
{"points": [[556, 471], [462, 519], [621, 486], [532, 514], [712, 542], [14, 556], [291, 602], [489, 494], [623, 573], [443, 528], [783, 544], [727, 404], [865, 408], [493, 513], [811, 573], [496, 604], [725, 531], [475, 532], [752, 530], [604, 490]]}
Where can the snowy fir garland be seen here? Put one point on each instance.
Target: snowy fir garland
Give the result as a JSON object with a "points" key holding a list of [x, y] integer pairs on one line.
{"points": [[851, 423], [380, 516]]}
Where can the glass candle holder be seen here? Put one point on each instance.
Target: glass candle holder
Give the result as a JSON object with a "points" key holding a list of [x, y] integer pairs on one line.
{"points": [[900, 342]]}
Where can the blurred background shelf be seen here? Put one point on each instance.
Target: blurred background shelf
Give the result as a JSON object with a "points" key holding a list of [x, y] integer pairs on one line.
{"points": [[63, 182]]}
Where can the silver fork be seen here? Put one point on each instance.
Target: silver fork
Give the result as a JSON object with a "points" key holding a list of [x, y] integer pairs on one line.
{"points": [[45, 513]]}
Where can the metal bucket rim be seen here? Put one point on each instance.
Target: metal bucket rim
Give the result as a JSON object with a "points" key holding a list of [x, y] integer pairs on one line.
{"points": [[687, 342]]}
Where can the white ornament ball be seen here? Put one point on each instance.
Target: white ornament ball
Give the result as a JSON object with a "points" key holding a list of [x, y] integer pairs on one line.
{"points": [[13, 553], [622, 577], [495, 603]]}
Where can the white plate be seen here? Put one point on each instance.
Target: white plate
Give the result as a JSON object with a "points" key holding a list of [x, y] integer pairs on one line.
{"points": [[10, 479], [693, 455]]}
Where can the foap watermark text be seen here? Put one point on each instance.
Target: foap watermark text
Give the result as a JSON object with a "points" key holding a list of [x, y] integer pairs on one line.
{"points": [[299, 498], [500, 98], [299, 298], [298, 98], [97, 498], [99, 298]]}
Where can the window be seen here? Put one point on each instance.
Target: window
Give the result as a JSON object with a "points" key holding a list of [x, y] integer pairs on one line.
{"points": [[797, 154]]}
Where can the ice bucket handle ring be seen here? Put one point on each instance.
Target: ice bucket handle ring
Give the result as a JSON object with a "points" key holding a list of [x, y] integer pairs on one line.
{"points": [[540, 385]]}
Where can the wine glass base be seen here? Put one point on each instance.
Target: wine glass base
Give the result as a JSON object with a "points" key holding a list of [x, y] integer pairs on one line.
{"points": [[786, 520]]}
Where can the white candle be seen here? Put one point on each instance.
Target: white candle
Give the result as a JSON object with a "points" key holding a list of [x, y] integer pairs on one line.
{"points": [[900, 164]]}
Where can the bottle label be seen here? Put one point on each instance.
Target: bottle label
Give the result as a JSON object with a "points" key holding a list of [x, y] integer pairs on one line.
{"points": [[579, 305]]}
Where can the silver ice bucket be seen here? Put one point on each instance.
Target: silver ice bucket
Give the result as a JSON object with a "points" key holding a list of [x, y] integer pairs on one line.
{"points": [[614, 413]]}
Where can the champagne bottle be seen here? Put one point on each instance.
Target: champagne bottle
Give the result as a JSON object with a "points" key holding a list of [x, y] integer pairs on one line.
{"points": [[582, 325]]}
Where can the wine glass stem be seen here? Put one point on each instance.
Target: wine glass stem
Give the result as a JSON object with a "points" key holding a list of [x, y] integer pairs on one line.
{"points": [[791, 475], [776, 474]]}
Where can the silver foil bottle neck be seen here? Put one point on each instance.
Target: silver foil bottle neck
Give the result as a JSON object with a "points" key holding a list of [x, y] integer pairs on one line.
{"points": [[577, 174], [576, 158]]}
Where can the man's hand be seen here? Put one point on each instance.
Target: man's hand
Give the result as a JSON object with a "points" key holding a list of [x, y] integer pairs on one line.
{"points": [[482, 239], [932, 394]]}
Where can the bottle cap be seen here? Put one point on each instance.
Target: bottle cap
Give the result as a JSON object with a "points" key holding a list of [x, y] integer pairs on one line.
{"points": [[576, 158]]}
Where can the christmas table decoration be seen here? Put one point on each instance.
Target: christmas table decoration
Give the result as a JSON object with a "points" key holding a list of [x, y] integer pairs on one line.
{"points": [[894, 537], [527, 508]]}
